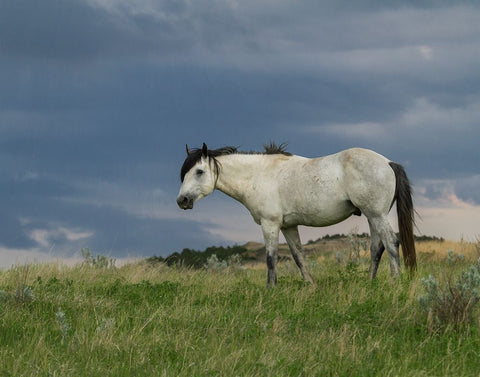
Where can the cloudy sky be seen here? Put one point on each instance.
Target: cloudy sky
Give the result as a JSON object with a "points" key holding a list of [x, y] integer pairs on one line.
{"points": [[99, 97]]}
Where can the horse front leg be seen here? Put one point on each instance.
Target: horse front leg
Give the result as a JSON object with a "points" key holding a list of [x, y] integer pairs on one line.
{"points": [[295, 245], [270, 234]]}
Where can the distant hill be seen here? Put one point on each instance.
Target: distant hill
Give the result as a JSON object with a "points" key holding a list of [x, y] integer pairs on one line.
{"points": [[253, 252]]}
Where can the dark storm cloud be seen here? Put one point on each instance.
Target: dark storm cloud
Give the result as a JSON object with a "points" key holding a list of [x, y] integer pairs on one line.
{"points": [[13, 233], [99, 97], [47, 206], [55, 29], [82, 31], [78, 31]]}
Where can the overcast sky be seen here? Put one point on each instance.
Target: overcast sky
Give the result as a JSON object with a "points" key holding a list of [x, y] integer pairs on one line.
{"points": [[99, 97]]}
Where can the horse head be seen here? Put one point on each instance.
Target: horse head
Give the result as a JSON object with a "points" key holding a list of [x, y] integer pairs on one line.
{"points": [[198, 176]]}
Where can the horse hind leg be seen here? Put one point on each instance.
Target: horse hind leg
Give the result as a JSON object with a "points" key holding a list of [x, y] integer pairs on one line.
{"points": [[383, 237], [376, 251], [293, 240]]}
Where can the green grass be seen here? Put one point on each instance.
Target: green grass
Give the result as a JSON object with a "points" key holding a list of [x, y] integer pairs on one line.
{"points": [[140, 320]]}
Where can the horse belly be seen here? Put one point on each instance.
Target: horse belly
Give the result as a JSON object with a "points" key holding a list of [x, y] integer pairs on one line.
{"points": [[324, 215]]}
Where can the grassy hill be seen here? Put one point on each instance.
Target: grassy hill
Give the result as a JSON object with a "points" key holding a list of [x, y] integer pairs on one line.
{"points": [[337, 245], [148, 319]]}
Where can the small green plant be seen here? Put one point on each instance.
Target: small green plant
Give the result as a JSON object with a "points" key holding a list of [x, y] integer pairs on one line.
{"points": [[235, 261], [213, 263], [63, 325], [357, 245], [4, 296], [350, 257], [453, 302], [453, 257], [476, 246], [23, 293], [105, 325], [340, 257], [97, 261]]}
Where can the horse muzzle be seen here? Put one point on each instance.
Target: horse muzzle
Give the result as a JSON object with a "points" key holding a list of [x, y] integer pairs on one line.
{"points": [[184, 202]]}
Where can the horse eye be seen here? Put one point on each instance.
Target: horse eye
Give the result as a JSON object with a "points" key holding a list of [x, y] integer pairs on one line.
{"points": [[199, 172]]}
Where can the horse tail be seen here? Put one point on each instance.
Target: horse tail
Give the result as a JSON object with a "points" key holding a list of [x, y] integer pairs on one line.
{"points": [[405, 213]]}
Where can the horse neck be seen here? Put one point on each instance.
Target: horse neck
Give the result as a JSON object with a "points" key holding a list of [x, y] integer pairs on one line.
{"points": [[237, 172]]}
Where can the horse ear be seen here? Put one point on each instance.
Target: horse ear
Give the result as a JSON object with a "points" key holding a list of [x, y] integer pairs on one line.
{"points": [[204, 150], [187, 149]]}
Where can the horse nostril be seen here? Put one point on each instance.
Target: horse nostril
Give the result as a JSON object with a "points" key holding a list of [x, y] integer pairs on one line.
{"points": [[181, 200], [184, 202]]}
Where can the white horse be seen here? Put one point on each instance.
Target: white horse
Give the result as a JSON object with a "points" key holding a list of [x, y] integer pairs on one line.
{"points": [[282, 191]]}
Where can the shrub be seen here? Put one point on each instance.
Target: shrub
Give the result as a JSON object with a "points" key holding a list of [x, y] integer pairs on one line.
{"points": [[452, 303]]}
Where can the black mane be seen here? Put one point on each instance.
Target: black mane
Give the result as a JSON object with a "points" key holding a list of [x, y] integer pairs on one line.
{"points": [[273, 148], [195, 155]]}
